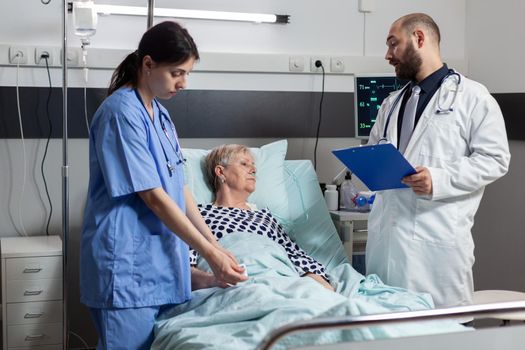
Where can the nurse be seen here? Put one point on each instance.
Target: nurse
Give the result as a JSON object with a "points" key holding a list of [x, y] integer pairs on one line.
{"points": [[452, 129], [139, 217]]}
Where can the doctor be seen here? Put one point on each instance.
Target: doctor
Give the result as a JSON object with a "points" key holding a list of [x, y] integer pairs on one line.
{"points": [[139, 216], [452, 129]]}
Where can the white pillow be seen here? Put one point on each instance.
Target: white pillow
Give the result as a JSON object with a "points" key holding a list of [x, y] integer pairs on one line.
{"points": [[270, 191]]}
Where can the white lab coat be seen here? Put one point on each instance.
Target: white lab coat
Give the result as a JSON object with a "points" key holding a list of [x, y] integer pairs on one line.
{"points": [[424, 243]]}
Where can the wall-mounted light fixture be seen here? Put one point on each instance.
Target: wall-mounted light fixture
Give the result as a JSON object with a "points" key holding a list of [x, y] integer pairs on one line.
{"points": [[194, 14]]}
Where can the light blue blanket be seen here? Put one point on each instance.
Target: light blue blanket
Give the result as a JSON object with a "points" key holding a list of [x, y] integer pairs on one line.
{"points": [[239, 317]]}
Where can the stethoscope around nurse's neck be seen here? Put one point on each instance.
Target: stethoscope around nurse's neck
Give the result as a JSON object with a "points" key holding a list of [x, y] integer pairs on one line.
{"points": [[175, 146], [439, 110]]}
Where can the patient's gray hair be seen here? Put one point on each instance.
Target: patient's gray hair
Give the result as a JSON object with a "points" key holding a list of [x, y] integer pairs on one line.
{"points": [[221, 155]]}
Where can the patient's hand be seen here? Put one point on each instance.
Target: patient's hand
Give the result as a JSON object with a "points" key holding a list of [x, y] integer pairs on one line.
{"points": [[223, 267], [201, 280], [320, 280]]}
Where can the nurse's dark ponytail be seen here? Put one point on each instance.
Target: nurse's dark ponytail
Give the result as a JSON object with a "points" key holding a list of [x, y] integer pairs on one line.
{"points": [[165, 43]]}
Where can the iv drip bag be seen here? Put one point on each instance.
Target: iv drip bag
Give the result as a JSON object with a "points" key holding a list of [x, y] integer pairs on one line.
{"points": [[84, 18]]}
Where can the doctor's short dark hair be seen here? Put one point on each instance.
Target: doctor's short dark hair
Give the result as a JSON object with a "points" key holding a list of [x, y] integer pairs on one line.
{"points": [[166, 43], [410, 21]]}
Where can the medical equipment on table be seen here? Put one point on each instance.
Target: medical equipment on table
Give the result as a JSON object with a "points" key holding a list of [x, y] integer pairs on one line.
{"points": [[331, 196], [440, 110], [348, 191], [364, 200], [352, 198]]}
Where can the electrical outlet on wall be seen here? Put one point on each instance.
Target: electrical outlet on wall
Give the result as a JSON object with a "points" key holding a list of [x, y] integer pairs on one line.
{"points": [[74, 56], [40, 52], [18, 54], [296, 64], [324, 60], [337, 64]]}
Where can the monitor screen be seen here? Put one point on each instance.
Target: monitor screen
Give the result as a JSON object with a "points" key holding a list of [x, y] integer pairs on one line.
{"points": [[370, 91]]}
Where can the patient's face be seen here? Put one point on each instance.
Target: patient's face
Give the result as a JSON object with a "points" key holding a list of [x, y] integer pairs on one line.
{"points": [[240, 173]]}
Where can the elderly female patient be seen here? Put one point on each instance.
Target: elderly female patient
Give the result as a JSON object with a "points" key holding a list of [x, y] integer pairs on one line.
{"points": [[230, 170]]}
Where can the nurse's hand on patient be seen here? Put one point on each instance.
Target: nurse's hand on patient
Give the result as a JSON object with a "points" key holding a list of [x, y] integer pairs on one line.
{"points": [[227, 252], [420, 182], [224, 268], [320, 280]]}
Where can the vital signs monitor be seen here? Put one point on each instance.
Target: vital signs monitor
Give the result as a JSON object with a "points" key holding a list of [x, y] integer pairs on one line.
{"points": [[369, 92]]}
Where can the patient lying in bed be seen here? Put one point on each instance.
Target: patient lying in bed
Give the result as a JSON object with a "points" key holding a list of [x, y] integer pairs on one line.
{"points": [[231, 171], [280, 289]]}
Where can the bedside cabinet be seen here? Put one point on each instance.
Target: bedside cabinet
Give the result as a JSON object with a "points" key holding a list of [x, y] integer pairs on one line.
{"points": [[352, 227], [32, 292]]}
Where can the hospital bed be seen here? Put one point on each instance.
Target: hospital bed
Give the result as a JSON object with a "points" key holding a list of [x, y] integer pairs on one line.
{"points": [[240, 317], [509, 338]]}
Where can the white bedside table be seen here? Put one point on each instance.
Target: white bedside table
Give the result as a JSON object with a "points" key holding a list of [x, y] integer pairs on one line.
{"points": [[352, 227], [32, 292]]}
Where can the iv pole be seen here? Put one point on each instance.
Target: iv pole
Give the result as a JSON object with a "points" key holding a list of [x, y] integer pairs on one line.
{"points": [[65, 183], [151, 7], [65, 170]]}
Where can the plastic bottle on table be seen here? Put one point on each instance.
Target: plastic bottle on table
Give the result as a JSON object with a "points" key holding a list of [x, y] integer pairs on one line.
{"points": [[331, 197], [348, 192]]}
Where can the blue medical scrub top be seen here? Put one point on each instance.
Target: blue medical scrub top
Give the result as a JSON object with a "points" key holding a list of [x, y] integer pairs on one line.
{"points": [[129, 258]]}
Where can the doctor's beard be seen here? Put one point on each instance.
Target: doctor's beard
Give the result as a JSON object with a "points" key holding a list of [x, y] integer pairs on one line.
{"points": [[409, 65]]}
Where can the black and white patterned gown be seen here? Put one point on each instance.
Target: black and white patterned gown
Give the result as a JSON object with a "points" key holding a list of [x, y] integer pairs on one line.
{"points": [[223, 221]]}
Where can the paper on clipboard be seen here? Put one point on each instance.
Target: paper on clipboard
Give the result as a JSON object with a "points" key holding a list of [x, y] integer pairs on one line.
{"points": [[379, 167]]}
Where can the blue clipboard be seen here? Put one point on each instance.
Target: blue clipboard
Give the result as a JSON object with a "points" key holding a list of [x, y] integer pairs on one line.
{"points": [[379, 167]]}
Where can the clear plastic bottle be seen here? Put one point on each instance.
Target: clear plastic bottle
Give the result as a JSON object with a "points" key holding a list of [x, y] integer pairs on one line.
{"points": [[348, 193]]}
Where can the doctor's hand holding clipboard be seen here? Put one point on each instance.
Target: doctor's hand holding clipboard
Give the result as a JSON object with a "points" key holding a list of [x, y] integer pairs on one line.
{"points": [[420, 182], [382, 167]]}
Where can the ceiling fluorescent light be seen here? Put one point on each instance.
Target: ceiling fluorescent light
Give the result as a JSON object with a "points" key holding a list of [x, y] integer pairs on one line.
{"points": [[195, 14]]}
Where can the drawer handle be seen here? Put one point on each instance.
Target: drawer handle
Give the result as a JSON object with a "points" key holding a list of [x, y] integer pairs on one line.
{"points": [[28, 315], [35, 270], [35, 337], [361, 231], [33, 292]]}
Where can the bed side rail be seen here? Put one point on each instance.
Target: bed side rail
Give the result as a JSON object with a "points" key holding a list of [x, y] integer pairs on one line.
{"points": [[486, 310]]}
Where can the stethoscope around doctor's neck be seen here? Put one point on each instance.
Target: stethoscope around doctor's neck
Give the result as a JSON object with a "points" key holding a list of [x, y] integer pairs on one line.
{"points": [[439, 110], [175, 146]]}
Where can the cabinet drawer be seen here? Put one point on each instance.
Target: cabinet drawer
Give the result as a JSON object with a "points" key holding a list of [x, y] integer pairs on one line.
{"points": [[33, 290], [34, 312], [40, 347], [33, 268], [33, 334]]}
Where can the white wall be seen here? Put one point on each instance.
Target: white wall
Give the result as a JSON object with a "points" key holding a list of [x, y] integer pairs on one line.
{"points": [[333, 27], [494, 42]]}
